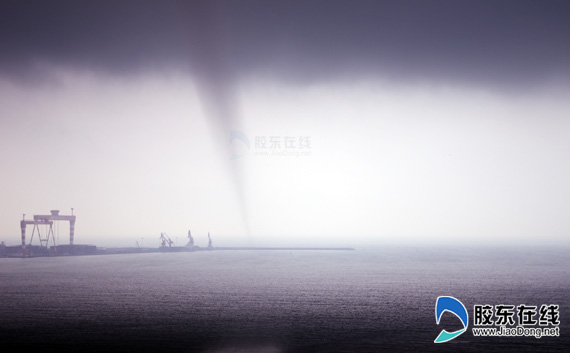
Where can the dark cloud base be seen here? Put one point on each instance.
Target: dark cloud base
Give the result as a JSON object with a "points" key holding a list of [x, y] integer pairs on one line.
{"points": [[507, 42]]}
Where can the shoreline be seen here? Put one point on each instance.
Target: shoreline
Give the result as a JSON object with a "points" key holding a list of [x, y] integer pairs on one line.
{"points": [[90, 250]]}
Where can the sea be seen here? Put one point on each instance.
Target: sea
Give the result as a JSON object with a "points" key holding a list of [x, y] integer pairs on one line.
{"points": [[278, 301]]}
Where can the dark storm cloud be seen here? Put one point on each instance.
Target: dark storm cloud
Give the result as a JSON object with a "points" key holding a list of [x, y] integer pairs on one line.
{"points": [[497, 41]]}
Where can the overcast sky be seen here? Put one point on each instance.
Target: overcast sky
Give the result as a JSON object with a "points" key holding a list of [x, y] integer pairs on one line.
{"points": [[354, 122]]}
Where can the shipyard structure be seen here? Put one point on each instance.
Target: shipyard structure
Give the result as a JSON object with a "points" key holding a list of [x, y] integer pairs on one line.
{"points": [[45, 239], [43, 242]]}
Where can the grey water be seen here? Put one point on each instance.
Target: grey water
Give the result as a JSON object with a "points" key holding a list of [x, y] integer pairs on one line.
{"points": [[367, 300]]}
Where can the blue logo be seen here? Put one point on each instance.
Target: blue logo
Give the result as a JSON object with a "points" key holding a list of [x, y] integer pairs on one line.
{"points": [[239, 143], [455, 307]]}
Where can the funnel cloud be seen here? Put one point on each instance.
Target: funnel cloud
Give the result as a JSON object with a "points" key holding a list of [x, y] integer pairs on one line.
{"points": [[428, 121]]}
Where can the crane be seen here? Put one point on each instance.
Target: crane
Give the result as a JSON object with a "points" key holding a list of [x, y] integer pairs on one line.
{"points": [[165, 241]]}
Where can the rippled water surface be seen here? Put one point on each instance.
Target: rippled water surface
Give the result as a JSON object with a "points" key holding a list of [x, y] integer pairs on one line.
{"points": [[368, 300]]}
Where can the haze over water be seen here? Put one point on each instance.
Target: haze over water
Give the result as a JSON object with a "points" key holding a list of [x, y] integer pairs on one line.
{"points": [[426, 121]]}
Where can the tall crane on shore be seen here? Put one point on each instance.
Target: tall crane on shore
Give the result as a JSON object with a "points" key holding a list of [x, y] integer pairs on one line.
{"points": [[190, 240], [165, 241], [47, 220]]}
